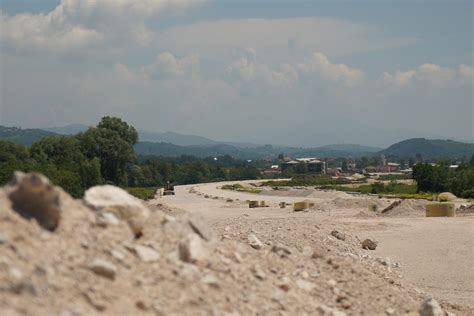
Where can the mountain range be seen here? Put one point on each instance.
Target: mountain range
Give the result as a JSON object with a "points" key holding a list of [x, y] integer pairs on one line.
{"points": [[170, 144]]}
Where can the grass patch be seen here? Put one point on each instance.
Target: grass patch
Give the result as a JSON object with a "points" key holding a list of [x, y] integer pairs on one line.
{"points": [[142, 193], [391, 190], [305, 180], [394, 177], [240, 188]]}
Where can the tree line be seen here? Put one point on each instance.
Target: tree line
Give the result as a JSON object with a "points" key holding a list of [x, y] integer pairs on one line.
{"points": [[440, 178], [104, 155]]}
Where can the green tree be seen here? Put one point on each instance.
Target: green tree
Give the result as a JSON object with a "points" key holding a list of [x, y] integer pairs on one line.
{"points": [[344, 166], [112, 143]]}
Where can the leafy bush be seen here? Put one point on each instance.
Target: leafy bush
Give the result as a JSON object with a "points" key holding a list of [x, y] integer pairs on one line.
{"points": [[142, 193], [240, 188], [308, 180]]}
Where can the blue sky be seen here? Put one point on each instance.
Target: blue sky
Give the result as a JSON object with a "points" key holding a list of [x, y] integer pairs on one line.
{"points": [[359, 71]]}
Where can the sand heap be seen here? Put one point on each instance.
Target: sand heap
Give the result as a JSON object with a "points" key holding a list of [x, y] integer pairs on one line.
{"points": [[102, 258]]}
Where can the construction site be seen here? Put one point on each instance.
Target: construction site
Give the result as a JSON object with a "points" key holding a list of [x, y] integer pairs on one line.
{"points": [[209, 251]]}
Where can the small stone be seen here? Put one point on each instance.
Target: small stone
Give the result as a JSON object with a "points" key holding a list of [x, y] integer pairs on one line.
{"points": [[254, 242], [369, 244], [389, 311], [200, 227], [192, 250], [145, 253], [238, 257], [285, 284], [430, 307], [168, 219], [305, 285], [105, 219], [318, 253], [258, 273], [103, 268], [95, 301], [327, 311], [338, 235], [281, 249], [141, 305], [117, 255], [227, 228], [3, 239], [210, 280], [332, 282]]}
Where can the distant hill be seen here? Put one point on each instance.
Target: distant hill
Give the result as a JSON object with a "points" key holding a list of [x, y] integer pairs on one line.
{"points": [[185, 139], [430, 148], [23, 136], [174, 138], [258, 152], [71, 129]]}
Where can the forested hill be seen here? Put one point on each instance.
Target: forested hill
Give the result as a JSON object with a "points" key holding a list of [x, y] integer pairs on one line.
{"points": [[23, 136], [259, 152], [430, 148]]}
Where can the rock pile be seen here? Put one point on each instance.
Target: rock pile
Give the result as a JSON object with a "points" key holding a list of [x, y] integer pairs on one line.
{"points": [[105, 258]]}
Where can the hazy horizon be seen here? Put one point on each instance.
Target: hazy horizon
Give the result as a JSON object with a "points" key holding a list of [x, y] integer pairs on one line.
{"points": [[283, 72]]}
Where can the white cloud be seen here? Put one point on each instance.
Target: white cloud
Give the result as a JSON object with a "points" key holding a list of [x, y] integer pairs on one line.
{"points": [[466, 73], [248, 69], [320, 65], [427, 74], [75, 24], [276, 39], [167, 65]]}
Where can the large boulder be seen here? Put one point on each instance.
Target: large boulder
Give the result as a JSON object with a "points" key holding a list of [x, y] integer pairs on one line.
{"points": [[446, 197], [108, 198], [33, 196]]}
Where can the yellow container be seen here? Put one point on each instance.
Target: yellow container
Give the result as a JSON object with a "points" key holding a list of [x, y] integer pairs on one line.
{"points": [[300, 206], [440, 210], [254, 204]]}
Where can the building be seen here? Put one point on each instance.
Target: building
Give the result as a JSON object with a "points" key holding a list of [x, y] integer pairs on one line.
{"points": [[393, 167], [312, 165]]}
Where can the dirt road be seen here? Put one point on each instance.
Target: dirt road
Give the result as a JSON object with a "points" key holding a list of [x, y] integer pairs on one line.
{"points": [[436, 255]]}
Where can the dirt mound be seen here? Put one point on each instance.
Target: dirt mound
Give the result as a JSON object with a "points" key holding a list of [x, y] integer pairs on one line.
{"points": [[94, 264], [407, 208], [465, 210]]}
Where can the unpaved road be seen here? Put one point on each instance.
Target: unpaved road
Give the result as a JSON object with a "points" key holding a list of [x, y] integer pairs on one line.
{"points": [[436, 254]]}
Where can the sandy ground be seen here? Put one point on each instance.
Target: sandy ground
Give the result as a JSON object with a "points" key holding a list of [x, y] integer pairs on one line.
{"points": [[436, 255]]}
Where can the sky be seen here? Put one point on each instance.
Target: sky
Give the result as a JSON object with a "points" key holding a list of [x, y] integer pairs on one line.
{"points": [[293, 72]]}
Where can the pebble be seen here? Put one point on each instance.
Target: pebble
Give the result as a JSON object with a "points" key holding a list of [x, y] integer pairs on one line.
{"points": [[258, 273], [145, 253], [430, 307], [210, 280], [192, 250], [254, 242], [369, 244], [281, 249], [103, 268], [305, 285], [338, 235]]}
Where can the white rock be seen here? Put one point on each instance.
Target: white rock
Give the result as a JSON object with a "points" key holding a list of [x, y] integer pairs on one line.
{"points": [[305, 285], [258, 273], [192, 249], [327, 311], [145, 253], [103, 268], [254, 242], [210, 280], [105, 219], [108, 198], [430, 307], [200, 227]]}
